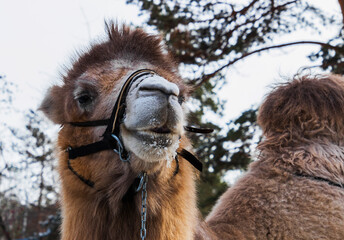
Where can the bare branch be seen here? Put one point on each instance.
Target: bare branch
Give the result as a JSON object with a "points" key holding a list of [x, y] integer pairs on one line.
{"points": [[86, 22], [209, 76]]}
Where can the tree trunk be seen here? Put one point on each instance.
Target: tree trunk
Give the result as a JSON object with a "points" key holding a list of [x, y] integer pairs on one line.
{"points": [[341, 3], [4, 230]]}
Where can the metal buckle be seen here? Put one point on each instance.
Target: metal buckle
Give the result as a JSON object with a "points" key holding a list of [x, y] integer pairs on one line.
{"points": [[120, 149], [68, 149]]}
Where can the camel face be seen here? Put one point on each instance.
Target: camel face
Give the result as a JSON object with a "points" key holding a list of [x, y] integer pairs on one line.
{"points": [[152, 122], [154, 119]]}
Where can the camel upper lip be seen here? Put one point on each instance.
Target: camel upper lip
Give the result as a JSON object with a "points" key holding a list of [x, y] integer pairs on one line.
{"points": [[157, 129]]}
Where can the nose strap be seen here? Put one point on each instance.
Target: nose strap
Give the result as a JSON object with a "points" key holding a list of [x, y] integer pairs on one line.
{"points": [[120, 106], [104, 122]]}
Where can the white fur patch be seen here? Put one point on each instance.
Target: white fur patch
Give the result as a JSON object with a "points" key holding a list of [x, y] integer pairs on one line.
{"points": [[151, 151]]}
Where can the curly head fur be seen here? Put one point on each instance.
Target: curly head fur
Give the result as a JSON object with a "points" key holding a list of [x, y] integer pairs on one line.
{"points": [[123, 43], [304, 109]]}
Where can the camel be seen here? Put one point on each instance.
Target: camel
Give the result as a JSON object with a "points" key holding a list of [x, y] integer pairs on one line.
{"points": [[125, 163], [295, 190]]}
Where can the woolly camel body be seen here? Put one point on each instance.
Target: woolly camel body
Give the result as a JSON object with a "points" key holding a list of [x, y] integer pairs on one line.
{"points": [[152, 132], [295, 189]]}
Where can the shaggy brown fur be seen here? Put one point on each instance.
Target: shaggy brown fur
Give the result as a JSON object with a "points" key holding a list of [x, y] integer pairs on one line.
{"points": [[106, 211], [281, 197], [123, 43]]}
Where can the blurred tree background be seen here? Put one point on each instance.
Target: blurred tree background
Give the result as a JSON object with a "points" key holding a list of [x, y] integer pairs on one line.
{"points": [[207, 37], [26, 211]]}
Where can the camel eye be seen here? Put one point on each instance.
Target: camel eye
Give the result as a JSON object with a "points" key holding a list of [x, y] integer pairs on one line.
{"points": [[84, 99], [85, 96]]}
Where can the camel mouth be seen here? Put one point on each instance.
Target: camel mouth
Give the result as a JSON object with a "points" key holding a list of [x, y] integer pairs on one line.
{"points": [[161, 130], [157, 137]]}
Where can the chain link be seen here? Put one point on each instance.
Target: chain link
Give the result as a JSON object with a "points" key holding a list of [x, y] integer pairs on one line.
{"points": [[143, 231]]}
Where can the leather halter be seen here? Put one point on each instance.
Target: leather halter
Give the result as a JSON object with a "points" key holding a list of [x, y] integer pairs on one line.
{"points": [[112, 138], [320, 179]]}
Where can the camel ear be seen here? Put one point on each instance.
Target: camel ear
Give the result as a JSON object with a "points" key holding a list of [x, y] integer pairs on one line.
{"points": [[52, 105]]}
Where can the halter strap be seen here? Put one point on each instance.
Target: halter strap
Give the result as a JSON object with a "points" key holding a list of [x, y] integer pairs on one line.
{"points": [[104, 122], [119, 109], [94, 123], [319, 179]]}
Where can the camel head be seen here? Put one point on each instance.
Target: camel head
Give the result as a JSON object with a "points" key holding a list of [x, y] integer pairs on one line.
{"points": [[151, 123]]}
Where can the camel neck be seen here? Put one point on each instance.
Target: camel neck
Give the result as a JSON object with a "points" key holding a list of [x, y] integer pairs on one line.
{"points": [[171, 211], [323, 160]]}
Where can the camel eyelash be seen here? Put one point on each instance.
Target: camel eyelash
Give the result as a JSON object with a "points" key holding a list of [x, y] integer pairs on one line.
{"points": [[84, 97]]}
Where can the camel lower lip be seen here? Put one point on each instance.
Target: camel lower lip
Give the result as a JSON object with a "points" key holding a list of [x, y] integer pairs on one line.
{"points": [[151, 138]]}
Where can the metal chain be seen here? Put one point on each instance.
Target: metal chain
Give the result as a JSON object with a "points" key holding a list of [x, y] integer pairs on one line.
{"points": [[143, 231]]}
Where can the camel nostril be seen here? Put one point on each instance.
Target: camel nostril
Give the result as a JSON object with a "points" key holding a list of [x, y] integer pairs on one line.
{"points": [[158, 84]]}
